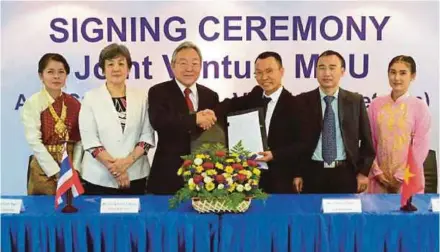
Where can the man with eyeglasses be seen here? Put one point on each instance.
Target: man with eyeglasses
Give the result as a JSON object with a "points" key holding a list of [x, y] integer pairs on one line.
{"points": [[335, 134], [179, 110], [277, 104]]}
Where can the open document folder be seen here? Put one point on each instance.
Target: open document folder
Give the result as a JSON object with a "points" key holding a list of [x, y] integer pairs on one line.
{"points": [[248, 127]]}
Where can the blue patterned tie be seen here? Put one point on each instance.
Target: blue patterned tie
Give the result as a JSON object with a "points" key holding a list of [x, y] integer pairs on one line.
{"points": [[329, 132]]}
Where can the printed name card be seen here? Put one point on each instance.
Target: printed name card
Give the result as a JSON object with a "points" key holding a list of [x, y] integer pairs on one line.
{"points": [[11, 206], [341, 206], [120, 205], [435, 204]]}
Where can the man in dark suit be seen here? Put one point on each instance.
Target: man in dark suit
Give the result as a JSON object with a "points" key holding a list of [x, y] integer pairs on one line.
{"points": [[277, 103], [178, 111], [337, 149]]}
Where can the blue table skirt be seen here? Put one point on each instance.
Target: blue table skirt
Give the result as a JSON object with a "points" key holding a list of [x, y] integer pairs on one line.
{"points": [[155, 228], [282, 223], [296, 223]]}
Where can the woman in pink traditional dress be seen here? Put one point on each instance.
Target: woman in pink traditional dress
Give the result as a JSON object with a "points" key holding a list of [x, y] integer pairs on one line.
{"points": [[398, 121], [50, 118]]}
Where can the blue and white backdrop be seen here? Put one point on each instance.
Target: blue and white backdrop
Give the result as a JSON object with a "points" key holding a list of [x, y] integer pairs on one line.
{"points": [[230, 34]]}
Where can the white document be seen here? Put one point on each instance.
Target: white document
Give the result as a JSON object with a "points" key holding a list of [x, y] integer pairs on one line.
{"points": [[246, 128], [11, 206], [341, 206], [435, 204], [120, 205]]}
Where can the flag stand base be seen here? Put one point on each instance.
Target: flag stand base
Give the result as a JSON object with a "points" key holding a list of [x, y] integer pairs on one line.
{"points": [[409, 207], [69, 209]]}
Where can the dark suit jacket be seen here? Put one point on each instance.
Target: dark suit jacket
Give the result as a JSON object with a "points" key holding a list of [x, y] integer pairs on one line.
{"points": [[281, 137], [354, 123], [176, 127]]}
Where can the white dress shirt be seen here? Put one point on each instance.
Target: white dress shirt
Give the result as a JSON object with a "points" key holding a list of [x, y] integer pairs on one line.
{"points": [[271, 106], [193, 96]]}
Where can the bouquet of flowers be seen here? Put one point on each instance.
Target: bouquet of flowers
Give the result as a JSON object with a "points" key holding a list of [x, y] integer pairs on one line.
{"points": [[217, 180]]}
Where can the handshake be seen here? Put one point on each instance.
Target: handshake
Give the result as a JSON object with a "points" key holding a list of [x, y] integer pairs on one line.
{"points": [[205, 119]]}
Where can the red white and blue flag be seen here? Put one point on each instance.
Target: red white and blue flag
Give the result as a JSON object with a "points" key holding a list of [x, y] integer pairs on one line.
{"points": [[68, 180]]}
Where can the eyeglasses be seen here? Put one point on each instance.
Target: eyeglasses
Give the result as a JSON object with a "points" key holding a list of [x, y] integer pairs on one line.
{"points": [[260, 74], [185, 64]]}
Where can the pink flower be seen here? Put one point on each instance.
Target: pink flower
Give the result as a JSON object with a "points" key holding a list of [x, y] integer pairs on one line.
{"points": [[252, 162], [241, 177], [220, 179], [208, 165], [187, 163], [237, 166], [197, 179], [220, 153]]}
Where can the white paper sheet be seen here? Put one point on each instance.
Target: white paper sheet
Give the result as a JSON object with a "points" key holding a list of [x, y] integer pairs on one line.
{"points": [[246, 127]]}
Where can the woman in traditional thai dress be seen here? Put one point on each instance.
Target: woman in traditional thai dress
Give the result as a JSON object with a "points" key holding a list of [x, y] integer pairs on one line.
{"points": [[50, 119], [115, 130], [398, 121]]}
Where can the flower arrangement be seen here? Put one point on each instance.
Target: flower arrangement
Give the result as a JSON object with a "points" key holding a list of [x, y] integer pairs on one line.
{"points": [[213, 174]]}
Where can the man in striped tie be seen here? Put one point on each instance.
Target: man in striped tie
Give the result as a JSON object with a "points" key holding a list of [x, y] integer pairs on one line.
{"points": [[335, 134]]}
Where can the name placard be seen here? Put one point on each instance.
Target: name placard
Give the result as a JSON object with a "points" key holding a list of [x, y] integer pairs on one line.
{"points": [[120, 205], [435, 204], [11, 206], [341, 206]]}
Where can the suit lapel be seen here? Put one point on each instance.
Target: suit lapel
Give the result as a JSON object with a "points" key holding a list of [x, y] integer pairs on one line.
{"points": [[178, 97], [315, 104], [110, 109], [277, 109], [201, 98], [131, 106], [342, 108]]}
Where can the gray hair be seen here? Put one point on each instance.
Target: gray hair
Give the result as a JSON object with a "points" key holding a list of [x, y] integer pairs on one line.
{"points": [[185, 45]]}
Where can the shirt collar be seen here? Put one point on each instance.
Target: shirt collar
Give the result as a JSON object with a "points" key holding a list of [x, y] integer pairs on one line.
{"points": [[182, 87], [275, 95], [403, 97], [322, 94]]}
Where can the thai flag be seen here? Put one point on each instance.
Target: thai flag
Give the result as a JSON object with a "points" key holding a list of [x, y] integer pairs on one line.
{"points": [[68, 180]]}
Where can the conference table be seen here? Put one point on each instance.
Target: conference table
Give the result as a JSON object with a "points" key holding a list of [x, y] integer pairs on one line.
{"points": [[280, 223]]}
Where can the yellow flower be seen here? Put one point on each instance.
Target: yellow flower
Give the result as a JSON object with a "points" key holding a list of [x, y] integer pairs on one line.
{"points": [[201, 156], [244, 172], [210, 186], [232, 188], [191, 181], [255, 182], [211, 172], [229, 169], [237, 160], [187, 173], [230, 160], [192, 186], [199, 169], [207, 156], [234, 154], [180, 171], [219, 166], [256, 171], [245, 164], [226, 175]]}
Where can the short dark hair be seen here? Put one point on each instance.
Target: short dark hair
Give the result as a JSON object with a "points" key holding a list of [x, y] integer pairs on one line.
{"points": [[268, 54], [42, 64], [405, 59], [113, 50], [330, 53]]}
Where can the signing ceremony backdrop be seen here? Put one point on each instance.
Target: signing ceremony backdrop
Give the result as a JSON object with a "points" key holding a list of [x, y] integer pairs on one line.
{"points": [[230, 35]]}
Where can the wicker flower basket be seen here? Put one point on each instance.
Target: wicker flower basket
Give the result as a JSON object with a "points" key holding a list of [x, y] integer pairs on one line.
{"points": [[218, 206]]}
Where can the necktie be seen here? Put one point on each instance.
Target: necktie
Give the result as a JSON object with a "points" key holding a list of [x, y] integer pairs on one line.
{"points": [[266, 101], [329, 132], [188, 100]]}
